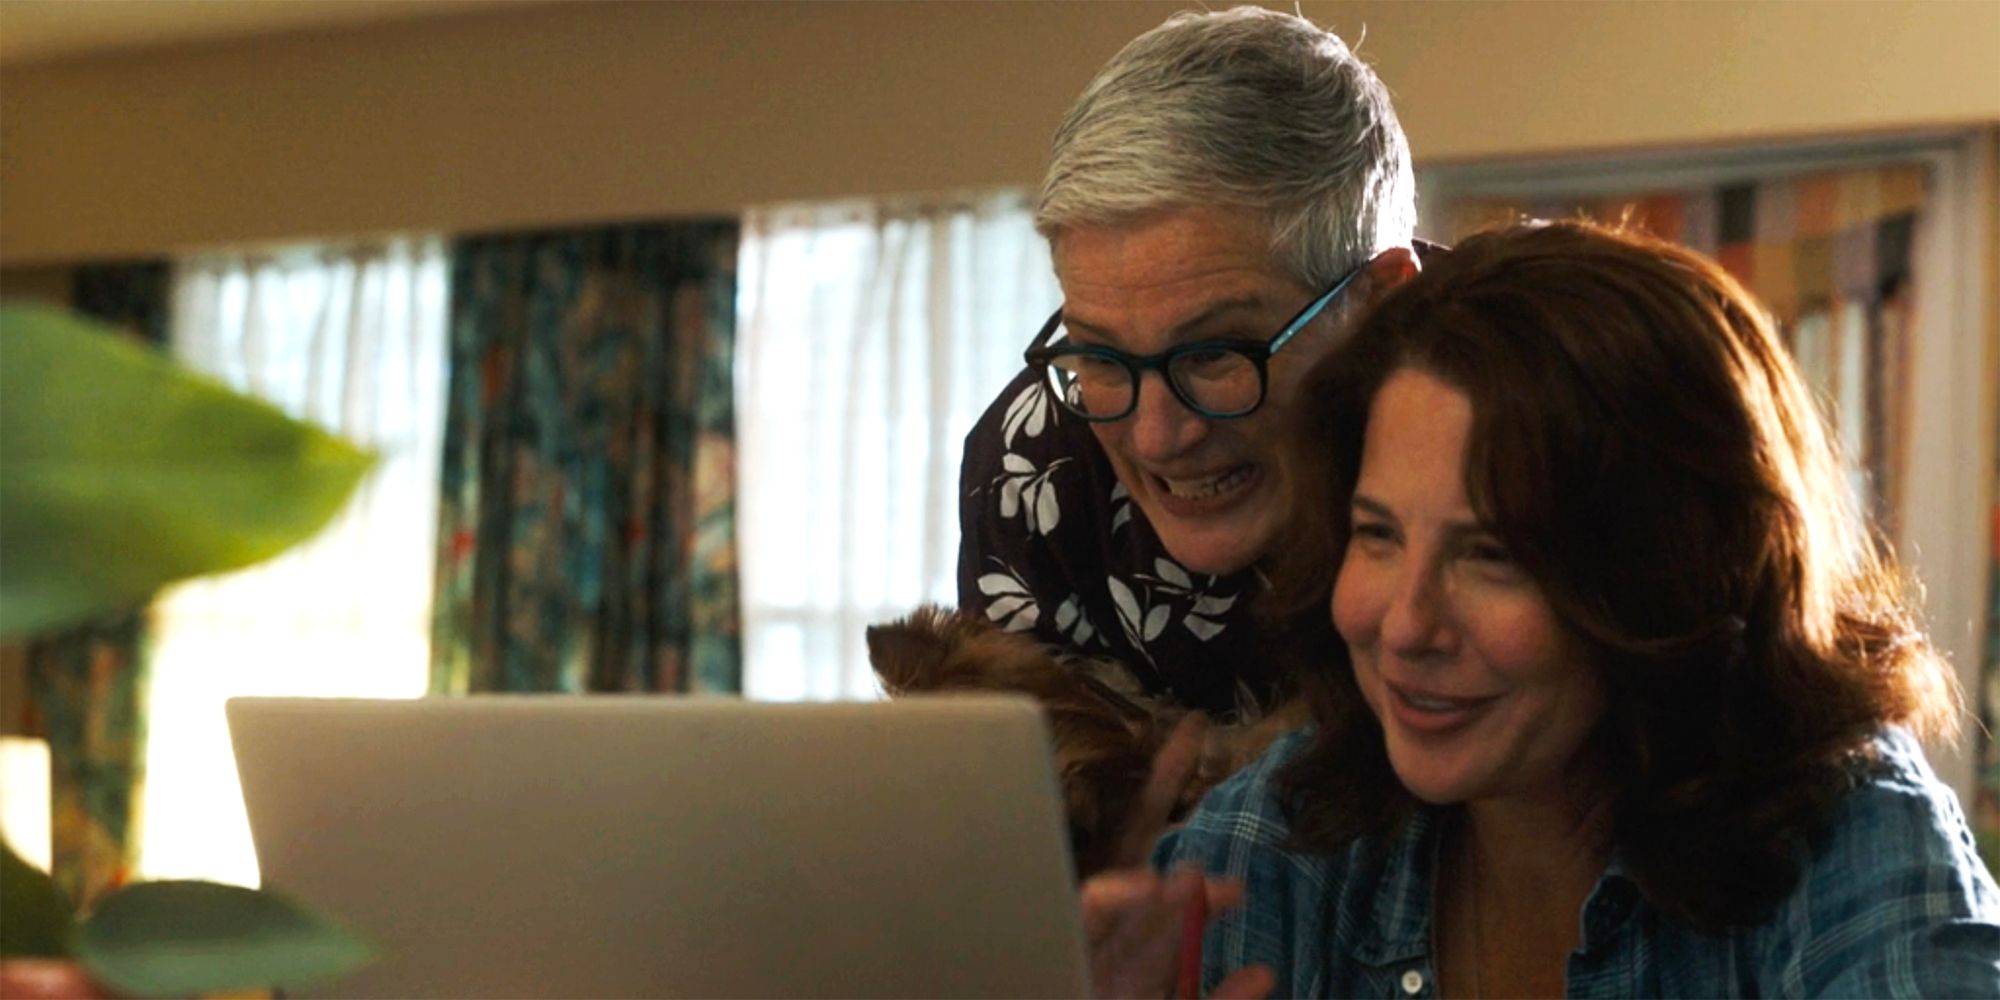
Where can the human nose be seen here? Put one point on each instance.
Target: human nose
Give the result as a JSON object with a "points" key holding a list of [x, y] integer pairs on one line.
{"points": [[1162, 426], [1418, 621]]}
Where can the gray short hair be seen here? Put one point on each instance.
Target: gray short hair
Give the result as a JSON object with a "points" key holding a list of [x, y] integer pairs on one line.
{"points": [[1246, 107]]}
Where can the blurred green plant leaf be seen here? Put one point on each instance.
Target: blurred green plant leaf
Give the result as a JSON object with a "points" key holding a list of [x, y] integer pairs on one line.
{"points": [[124, 472], [193, 938], [35, 918]]}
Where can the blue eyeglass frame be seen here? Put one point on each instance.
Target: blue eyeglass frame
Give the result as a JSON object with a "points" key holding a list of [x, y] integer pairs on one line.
{"points": [[1040, 355]]}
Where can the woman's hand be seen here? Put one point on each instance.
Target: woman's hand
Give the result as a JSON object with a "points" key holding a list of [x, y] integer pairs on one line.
{"points": [[1134, 918]]}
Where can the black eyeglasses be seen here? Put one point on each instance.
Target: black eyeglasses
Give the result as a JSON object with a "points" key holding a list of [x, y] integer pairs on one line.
{"points": [[1219, 379]]}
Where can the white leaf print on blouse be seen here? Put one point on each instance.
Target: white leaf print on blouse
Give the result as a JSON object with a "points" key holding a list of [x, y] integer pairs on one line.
{"points": [[1012, 607], [1171, 572], [1206, 628], [1029, 492], [1121, 507], [1030, 412], [1173, 581], [1141, 621], [1073, 622]]}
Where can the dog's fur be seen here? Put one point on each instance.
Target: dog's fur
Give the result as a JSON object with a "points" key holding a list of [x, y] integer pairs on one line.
{"points": [[1106, 729]]}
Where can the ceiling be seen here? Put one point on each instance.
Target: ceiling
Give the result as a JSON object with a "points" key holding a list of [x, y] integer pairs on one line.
{"points": [[45, 30]]}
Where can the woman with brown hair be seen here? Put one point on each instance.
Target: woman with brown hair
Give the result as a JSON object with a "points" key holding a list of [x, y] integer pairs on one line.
{"points": [[1625, 697]]}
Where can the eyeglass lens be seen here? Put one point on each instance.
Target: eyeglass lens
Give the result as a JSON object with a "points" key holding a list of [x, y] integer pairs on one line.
{"points": [[1216, 382]]}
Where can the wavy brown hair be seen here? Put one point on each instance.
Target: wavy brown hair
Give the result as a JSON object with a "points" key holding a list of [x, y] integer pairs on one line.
{"points": [[1644, 446]]}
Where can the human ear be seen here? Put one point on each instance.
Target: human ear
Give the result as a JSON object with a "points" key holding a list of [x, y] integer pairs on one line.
{"points": [[1388, 269]]}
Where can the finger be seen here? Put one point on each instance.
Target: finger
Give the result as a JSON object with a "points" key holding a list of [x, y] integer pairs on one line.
{"points": [[1121, 887], [1109, 896], [1132, 914], [1138, 955], [1252, 982], [1224, 894], [1182, 885], [1140, 959], [1173, 766]]}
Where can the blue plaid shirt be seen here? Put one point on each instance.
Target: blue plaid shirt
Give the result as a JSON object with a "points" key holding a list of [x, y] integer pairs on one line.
{"points": [[1894, 903]]}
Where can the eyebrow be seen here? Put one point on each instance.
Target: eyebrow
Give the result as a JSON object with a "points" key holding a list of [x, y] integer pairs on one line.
{"points": [[1370, 506], [1455, 529], [1199, 320]]}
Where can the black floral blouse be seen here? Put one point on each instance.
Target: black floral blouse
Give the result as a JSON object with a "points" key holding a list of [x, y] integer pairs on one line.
{"points": [[1051, 544]]}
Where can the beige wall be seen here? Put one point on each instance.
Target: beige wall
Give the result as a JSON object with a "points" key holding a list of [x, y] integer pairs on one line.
{"points": [[576, 112]]}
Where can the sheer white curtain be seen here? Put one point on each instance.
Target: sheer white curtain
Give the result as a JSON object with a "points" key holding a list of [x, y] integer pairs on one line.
{"points": [[871, 337], [353, 339]]}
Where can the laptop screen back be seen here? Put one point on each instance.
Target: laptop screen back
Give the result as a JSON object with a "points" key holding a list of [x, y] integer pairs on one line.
{"points": [[502, 846]]}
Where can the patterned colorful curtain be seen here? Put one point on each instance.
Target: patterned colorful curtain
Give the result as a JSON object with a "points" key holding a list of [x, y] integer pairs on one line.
{"points": [[586, 526], [87, 684], [1829, 253]]}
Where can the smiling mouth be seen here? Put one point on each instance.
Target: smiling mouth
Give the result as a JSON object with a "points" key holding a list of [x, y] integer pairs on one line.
{"points": [[1426, 712], [1208, 486], [1432, 703]]}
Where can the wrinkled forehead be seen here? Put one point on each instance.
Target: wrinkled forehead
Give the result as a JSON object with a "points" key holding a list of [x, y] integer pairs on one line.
{"points": [[1240, 229], [1192, 256]]}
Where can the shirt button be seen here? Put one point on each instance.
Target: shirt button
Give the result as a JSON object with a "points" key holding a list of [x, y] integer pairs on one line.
{"points": [[1413, 982]]}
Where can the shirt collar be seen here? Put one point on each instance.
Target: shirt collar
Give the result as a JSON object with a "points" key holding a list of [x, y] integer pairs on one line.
{"points": [[1393, 923], [1610, 904]]}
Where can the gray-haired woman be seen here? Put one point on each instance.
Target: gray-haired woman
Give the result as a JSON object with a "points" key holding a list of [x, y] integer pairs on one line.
{"points": [[1218, 200]]}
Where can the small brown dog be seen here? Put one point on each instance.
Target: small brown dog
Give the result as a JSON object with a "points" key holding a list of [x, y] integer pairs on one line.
{"points": [[1105, 728]]}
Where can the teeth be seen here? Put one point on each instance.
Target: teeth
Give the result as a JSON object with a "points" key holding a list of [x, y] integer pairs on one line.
{"points": [[1196, 489], [1434, 704], [1439, 704]]}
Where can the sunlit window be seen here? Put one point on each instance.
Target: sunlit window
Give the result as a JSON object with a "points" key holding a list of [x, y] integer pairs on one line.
{"points": [[353, 339], [871, 337]]}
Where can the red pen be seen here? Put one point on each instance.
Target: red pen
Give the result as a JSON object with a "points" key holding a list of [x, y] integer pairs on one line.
{"points": [[1192, 926]]}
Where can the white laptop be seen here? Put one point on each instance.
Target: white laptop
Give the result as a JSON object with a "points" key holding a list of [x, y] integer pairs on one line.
{"points": [[613, 845]]}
